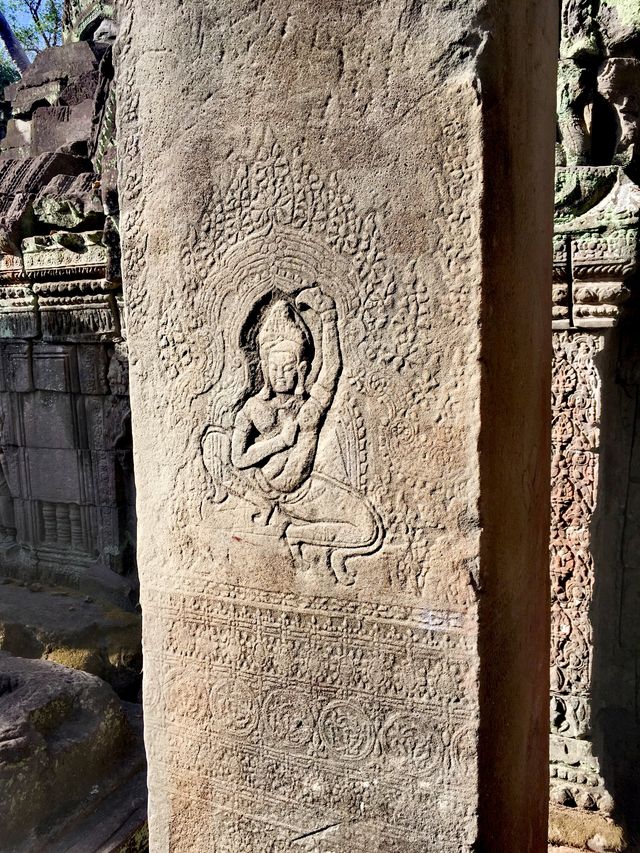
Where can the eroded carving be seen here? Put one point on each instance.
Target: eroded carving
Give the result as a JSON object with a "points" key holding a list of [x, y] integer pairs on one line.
{"points": [[269, 457], [576, 433]]}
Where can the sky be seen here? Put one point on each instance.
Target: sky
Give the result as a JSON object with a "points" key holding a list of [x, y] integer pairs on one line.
{"points": [[21, 18]]}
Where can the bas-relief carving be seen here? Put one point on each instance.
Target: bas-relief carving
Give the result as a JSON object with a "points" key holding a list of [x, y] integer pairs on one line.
{"points": [[595, 257], [270, 459], [575, 774], [301, 702], [271, 236], [306, 346]]}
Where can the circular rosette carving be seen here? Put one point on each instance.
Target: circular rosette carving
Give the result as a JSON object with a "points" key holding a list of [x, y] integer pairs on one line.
{"points": [[186, 697], [287, 718], [234, 707], [463, 750], [408, 740], [346, 731]]}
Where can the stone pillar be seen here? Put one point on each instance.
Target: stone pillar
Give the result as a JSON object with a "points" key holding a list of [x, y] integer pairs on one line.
{"points": [[595, 730], [337, 250], [591, 467]]}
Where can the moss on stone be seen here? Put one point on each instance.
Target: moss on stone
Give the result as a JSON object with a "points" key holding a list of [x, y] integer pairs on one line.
{"points": [[85, 660], [577, 827], [628, 11], [138, 843]]}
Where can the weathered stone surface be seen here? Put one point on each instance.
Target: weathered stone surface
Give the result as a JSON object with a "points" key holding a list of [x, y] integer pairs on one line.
{"points": [[66, 485], [81, 17], [72, 629], [66, 454], [620, 26], [595, 726], [340, 477], [20, 181], [70, 202], [61, 128], [56, 63], [61, 732], [25, 99], [79, 89], [585, 830]]}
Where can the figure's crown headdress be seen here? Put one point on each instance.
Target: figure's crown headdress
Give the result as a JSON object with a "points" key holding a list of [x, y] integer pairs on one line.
{"points": [[282, 328]]}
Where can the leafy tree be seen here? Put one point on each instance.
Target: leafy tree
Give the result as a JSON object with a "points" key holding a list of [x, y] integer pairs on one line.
{"points": [[8, 70], [36, 23]]}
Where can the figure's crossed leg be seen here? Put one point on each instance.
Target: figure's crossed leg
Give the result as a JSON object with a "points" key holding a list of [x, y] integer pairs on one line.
{"points": [[335, 519]]}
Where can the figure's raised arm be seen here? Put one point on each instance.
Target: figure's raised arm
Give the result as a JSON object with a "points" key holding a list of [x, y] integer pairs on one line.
{"points": [[326, 383]]}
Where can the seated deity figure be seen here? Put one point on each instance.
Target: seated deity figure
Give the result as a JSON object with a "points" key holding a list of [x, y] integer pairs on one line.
{"points": [[275, 441]]}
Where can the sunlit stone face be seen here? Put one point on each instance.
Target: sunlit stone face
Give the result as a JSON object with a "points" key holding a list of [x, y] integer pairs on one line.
{"points": [[283, 371]]}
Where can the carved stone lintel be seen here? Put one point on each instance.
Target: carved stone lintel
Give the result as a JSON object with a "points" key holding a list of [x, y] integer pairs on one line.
{"points": [[595, 251]]}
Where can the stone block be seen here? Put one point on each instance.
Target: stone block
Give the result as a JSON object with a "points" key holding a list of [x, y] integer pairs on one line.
{"points": [[106, 488], [61, 733], [70, 628], [17, 365], [92, 367], [30, 178], [13, 468], [93, 407], [79, 89], [25, 99], [79, 318], [9, 426], [58, 63], [585, 830], [70, 202], [66, 254], [26, 531], [56, 475], [18, 136], [50, 420], [18, 312], [54, 128], [55, 368]]}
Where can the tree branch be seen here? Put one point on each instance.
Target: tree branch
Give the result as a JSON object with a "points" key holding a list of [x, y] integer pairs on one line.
{"points": [[15, 49]]}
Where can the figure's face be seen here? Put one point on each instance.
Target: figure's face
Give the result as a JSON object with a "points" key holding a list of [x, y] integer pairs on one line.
{"points": [[283, 371], [628, 107]]}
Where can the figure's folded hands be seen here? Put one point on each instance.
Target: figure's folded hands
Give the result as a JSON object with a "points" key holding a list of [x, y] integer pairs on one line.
{"points": [[289, 433]]}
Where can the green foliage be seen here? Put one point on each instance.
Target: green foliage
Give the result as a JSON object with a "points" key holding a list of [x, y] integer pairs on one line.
{"points": [[36, 23], [8, 71]]}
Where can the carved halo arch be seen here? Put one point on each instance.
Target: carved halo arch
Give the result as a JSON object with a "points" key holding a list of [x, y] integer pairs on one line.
{"points": [[243, 278]]}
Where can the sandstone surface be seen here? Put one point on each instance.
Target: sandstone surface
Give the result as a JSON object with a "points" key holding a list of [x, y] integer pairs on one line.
{"points": [[62, 733], [337, 256]]}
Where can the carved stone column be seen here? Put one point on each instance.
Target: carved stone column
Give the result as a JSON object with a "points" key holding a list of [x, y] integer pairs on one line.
{"points": [[599, 261], [594, 719], [337, 252]]}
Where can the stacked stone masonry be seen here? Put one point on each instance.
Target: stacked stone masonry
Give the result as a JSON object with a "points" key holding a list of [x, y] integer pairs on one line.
{"points": [[67, 510], [72, 764]]}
